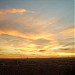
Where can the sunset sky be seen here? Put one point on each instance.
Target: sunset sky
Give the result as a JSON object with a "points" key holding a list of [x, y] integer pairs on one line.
{"points": [[36, 28]]}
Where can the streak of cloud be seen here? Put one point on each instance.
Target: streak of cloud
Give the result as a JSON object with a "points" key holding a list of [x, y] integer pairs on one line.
{"points": [[14, 11]]}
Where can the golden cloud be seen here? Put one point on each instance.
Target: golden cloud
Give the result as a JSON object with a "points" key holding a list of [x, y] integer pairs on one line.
{"points": [[63, 54]]}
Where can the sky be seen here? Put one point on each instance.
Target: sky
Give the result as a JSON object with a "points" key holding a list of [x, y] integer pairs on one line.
{"points": [[37, 28]]}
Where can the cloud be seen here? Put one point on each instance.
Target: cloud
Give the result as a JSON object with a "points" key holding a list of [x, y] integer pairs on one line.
{"points": [[68, 33], [30, 33], [24, 44], [66, 46], [14, 11], [36, 20], [64, 54], [41, 41], [42, 50], [70, 45], [12, 42], [18, 45], [45, 43], [27, 26]]}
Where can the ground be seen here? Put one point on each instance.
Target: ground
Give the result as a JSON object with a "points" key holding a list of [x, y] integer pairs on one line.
{"points": [[39, 66]]}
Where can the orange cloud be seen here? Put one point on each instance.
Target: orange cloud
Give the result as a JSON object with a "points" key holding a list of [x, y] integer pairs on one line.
{"points": [[68, 32], [33, 20], [13, 11], [32, 29]]}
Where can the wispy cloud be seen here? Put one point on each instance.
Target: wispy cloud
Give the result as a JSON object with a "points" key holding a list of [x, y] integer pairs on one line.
{"points": [[36, 31], [14, 11], [26, 26], [68, 33]]}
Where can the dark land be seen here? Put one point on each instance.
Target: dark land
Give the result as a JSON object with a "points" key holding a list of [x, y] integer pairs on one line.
{"points": [[38, 66]]}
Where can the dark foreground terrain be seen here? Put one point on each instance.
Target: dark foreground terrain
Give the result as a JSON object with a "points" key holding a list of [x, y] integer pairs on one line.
{"points": [[41, 66]]}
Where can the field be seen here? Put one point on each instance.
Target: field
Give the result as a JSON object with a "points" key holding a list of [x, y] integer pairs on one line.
{"points": [[39, 66]]}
